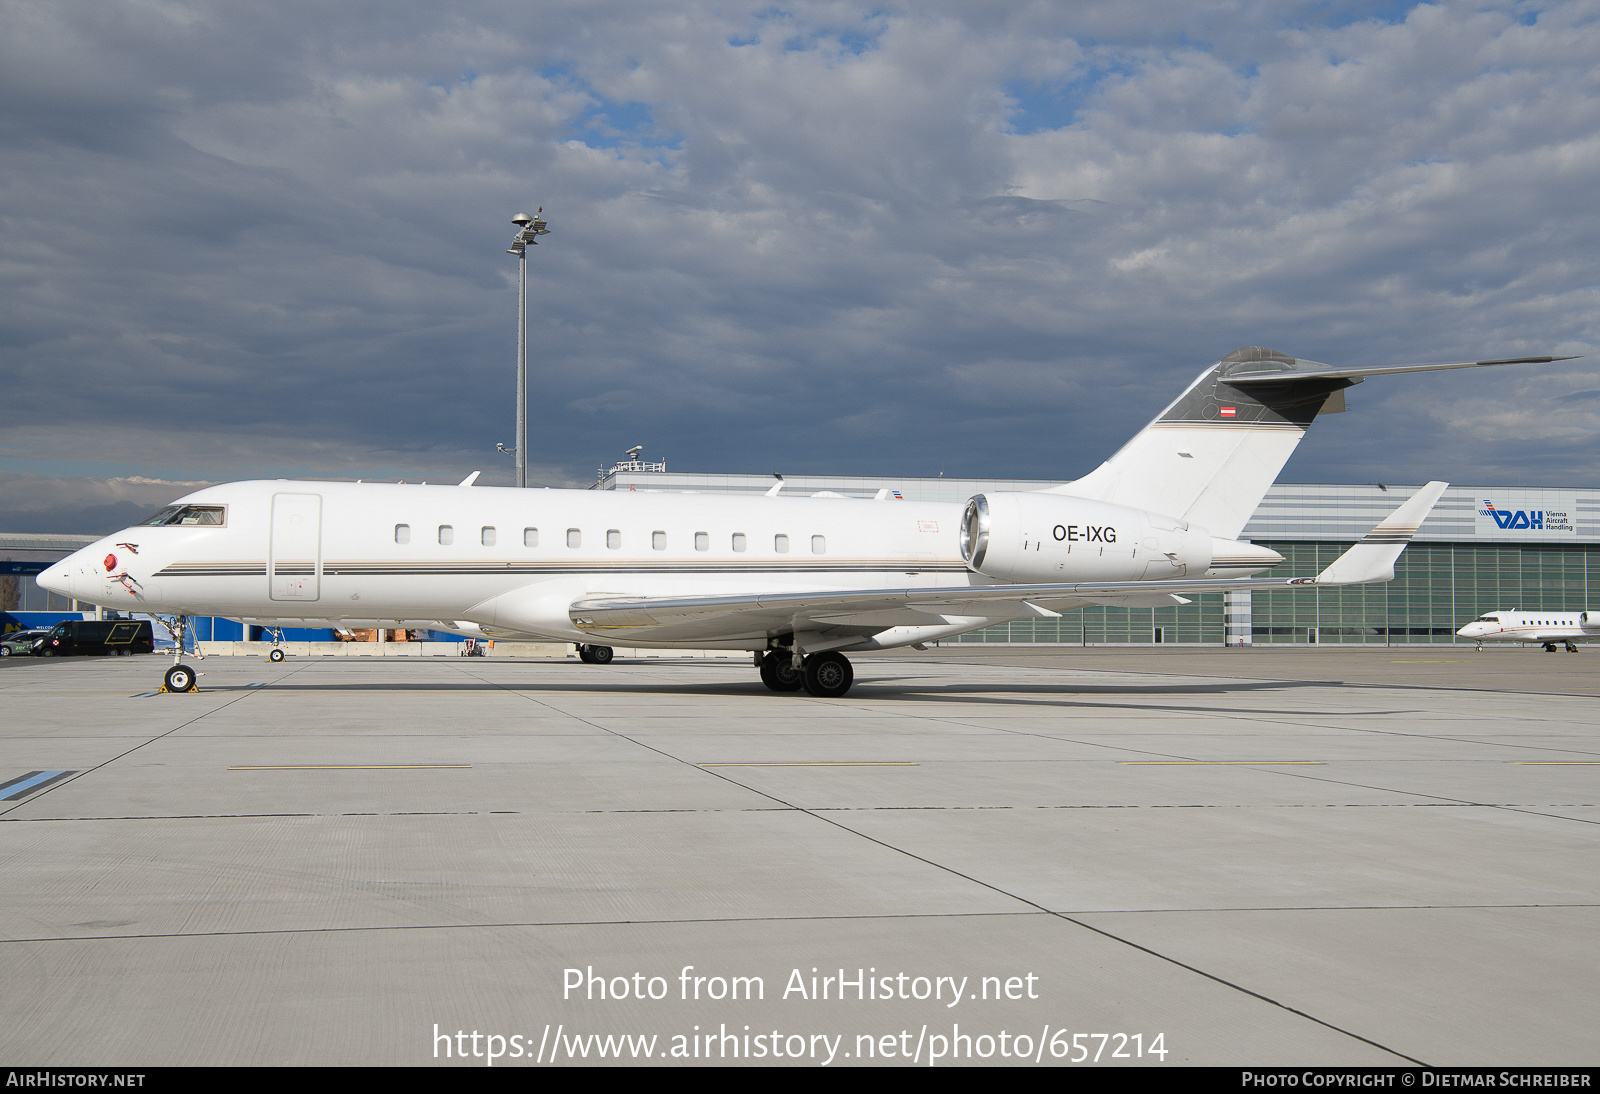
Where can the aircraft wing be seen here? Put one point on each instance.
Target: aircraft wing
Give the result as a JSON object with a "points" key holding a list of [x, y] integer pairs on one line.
{"points": [[867, 611]]}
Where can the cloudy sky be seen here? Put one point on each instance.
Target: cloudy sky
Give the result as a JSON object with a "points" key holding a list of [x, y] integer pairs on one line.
{"points": [[985, 239]]}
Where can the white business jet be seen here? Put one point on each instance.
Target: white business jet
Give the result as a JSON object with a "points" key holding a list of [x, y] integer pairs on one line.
{"points": [[797, 581], [1537, 626]]}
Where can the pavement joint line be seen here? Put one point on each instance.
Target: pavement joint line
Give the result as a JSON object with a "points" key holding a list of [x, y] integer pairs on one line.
{"points": [[377, 928], [830, 763], [353, 767], [1516, 806], [1337, 684], [1222, 763], [865, 917]]}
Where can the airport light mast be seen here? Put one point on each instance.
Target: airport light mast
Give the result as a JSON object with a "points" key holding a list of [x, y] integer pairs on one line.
{"points": [[529, 231]]}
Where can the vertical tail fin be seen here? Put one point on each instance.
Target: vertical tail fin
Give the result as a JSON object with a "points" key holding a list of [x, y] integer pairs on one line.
{"points": [[1210, 456]]}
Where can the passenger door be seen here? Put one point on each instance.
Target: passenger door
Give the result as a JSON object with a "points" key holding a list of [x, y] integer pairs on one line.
{"points": [[294, 558]]}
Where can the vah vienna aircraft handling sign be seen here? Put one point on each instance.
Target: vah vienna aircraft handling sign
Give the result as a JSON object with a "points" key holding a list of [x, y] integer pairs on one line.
{"points": [[1532, 514]]}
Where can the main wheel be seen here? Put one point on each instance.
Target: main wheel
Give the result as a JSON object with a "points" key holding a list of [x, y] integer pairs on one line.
{"points": [[1549, 647], [828, 675], [779, 674], [586, 655], [180, 678], [600, 655], [275, 656]]}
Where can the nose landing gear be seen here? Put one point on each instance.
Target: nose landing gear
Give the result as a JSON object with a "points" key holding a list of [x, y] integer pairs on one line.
{"points": [[180, 677]]}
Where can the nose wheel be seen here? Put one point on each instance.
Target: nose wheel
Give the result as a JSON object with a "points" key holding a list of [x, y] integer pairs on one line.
{"points": [[275, 656], [180, 678]]}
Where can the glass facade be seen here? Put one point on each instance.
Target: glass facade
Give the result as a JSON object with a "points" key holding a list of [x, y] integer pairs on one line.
{"points": [[1437, 588]]}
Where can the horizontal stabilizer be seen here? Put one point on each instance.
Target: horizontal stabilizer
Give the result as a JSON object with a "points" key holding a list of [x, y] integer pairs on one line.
{"points": [[1373, 558], [1324, 372]]}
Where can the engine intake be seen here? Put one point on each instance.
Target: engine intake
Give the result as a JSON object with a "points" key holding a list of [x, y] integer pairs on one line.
{"points": [[1034, 537]]}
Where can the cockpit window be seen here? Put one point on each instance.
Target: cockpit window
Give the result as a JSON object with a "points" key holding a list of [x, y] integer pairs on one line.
{"points": [[187, 516], [1488, 619]]}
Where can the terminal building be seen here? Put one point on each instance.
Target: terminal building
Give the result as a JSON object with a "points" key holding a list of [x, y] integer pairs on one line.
{"points": [[1482, 549]]}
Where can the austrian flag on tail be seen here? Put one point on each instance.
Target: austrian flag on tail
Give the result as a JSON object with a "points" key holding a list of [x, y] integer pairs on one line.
{"points": [[1228, 412]]}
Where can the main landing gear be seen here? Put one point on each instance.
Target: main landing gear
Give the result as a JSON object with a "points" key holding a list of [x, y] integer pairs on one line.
{"points": [[824, 675], [595, 655], [1550, 647]]}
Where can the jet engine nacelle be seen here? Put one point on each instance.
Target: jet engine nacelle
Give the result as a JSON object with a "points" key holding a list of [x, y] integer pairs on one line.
{"points": [[1027, 538]]}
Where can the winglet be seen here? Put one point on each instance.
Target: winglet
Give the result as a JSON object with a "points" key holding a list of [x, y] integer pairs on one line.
{"points": [[470, 479], [1373, 558]]}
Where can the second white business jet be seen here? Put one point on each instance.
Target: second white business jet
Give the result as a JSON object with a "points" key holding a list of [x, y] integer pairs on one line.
{"points": [[1542, 627], [798, 581]]}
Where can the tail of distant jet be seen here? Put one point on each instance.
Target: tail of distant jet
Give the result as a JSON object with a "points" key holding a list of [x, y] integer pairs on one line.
{"points": [[1210, 457]]}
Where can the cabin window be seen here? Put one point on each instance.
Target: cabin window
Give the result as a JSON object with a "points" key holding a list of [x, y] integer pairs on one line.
{"points": [[530, 537], [658, 541], [402, 533], [487, 537], [738, 541], [819, 545], [780, 544], [574, 538], [702, 541], [613, 538], [447, 534]]}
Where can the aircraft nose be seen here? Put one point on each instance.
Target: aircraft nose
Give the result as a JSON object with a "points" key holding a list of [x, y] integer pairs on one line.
{"points": [[58, 578]]}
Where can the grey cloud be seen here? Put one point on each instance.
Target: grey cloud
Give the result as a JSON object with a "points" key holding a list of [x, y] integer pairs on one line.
{"points": [[242, 241]]}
